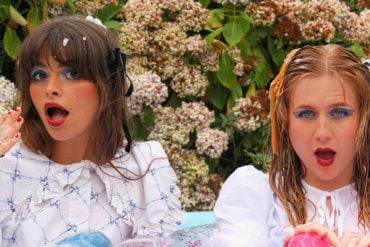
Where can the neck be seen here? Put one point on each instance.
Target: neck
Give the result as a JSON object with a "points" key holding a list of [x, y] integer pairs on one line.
{"points": [[72, 151]]}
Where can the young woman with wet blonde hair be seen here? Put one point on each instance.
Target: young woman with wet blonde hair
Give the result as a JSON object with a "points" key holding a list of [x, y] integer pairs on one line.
{"points": [[318, 180]]}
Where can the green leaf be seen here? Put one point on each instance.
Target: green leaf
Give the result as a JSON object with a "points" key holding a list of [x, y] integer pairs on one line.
{"points": [[108, 12], [233, 32], [245, 21], [34, 17], [225, 74], [236, 93], [262, 74], [357, 49], [115, 25], [4, 12], [248, 140], [174, 101], [17, 17], [215, 19], [245, 48], [205, 3], [11, 42], [138, 129], [148, 114], [210, 37], [71, 5], [246, 17], [277, 54], [252, 91], [217, 94]]}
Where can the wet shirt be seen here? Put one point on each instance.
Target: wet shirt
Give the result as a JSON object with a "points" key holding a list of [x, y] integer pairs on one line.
{"points": [[249, 214]]}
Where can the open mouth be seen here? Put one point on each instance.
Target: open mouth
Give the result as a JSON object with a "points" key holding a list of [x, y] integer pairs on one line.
{"points": [[55, 113], [325, 155]]}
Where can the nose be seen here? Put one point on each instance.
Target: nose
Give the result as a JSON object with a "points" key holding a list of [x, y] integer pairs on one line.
{"points": [[53, 87], [323, 130]]}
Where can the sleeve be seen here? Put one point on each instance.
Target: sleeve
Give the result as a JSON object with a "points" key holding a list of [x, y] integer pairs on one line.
{"points": [[151, 204], [242, 210]]}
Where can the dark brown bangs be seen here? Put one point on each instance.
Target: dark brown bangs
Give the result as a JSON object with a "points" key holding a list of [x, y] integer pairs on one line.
{"points": [[69, 49]]}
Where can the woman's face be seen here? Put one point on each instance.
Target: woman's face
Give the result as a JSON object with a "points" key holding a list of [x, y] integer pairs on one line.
{"points": [[66, 103], [323, 119]]}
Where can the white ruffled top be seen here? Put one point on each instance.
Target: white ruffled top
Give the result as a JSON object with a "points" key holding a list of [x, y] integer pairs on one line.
{"points": [[42, 202], [249, 214]]}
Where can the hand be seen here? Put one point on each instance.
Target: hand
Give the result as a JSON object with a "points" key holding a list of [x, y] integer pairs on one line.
{"points": [[10, 124], [312, 234], [350, 239]]}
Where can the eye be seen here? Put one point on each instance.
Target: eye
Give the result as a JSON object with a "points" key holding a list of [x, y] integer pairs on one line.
{"points": [[340, 112], [38, 75], [71, 74], [305, 114]]}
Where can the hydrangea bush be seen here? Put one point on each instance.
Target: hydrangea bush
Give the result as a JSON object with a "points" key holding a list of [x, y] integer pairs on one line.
{"points": [[201, 70]]}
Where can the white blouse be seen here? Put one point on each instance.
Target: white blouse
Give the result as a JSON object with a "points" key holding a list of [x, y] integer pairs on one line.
{"points": [[249, 214], [42, 202]]}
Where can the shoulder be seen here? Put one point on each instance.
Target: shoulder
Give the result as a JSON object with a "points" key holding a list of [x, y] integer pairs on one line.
{"points": [[19, 157], [250, 178], [242, 210], [149, 153], [152, 148], [245, 195], [151, 203]]}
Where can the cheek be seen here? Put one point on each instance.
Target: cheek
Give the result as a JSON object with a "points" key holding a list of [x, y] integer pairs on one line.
{"points": [[88, 94], [35, 93], [298, 135]]}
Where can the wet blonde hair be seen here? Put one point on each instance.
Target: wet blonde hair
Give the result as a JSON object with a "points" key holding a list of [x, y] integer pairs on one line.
{"points": [[286, 171], [92, 51]]}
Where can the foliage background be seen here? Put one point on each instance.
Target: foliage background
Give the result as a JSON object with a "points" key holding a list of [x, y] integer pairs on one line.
{"points": [[201, 70]]}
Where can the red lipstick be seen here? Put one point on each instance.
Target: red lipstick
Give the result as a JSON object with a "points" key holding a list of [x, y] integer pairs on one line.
{"points": [[325, 156], [55, 114]]}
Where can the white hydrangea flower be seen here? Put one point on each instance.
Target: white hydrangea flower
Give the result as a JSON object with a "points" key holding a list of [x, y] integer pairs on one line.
{"points": [[8, 93], [211, 142], [235, 2]]}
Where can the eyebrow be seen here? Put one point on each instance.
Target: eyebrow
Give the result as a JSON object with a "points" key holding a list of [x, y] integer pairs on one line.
{"points": [[335, 105]]}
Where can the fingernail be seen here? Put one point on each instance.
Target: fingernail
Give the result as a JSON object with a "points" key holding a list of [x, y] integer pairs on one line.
{"points": [[17, 135], [17, 108], [19, 119], [9, 112]]}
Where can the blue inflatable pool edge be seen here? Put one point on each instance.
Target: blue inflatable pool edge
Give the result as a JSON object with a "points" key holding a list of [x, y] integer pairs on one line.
{"points": [[197, 218]]}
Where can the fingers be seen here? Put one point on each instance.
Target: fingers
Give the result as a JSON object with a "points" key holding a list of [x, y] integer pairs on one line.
{"points": [[350, 239], [320, 230], [10, 124], [310, 232]]}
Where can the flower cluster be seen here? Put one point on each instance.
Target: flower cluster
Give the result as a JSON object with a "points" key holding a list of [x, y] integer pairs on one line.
{"points": [[252, 112], [148, 90], [199, 189], [168, 128], [211, 142], [8, 93], [160, 36], [234, 2], [300, 21], [195, 115], [190, 81], [92, 7], [174, 126]]}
